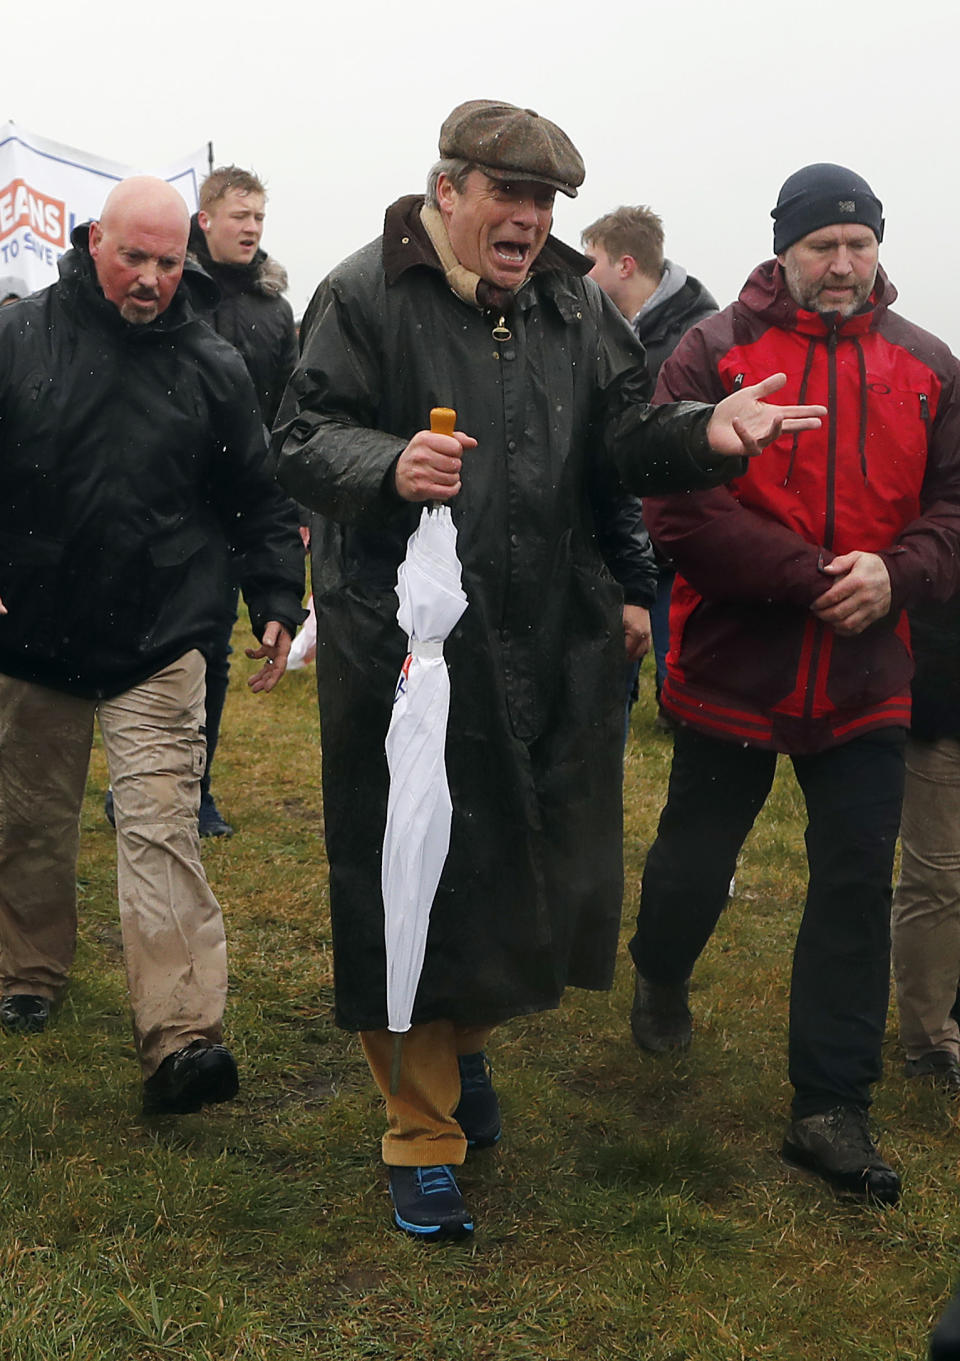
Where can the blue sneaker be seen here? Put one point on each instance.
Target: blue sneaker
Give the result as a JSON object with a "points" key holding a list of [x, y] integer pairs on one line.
{"points": [[427, 1202], [478, 1113]]}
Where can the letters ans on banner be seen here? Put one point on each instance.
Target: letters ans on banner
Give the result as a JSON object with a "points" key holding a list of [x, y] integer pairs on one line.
{"points": [[46, 189]]}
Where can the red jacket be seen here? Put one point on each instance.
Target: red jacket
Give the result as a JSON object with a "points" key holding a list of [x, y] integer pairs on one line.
{"points": [[748, 661]]}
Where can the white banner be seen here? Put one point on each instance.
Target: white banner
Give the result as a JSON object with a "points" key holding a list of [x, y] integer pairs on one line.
{"points": [[47, 188]]}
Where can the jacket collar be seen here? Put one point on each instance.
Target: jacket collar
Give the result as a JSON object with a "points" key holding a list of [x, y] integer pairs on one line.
{"points": [[195, 295], [766, 294], [407, 245], [263, 274]]}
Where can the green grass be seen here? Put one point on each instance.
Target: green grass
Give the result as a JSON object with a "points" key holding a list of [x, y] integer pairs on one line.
{"points": [[636, 1207]]}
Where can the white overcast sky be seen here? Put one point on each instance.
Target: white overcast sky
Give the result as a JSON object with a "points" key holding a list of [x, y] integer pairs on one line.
{"points": [[700, 108]]}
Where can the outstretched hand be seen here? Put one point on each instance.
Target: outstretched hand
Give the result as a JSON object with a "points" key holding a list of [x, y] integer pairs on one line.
{"points": [[744, 424], [275, 647]]}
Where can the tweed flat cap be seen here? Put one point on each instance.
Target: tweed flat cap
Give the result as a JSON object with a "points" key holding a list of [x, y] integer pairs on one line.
{"points": [[507, 142]]}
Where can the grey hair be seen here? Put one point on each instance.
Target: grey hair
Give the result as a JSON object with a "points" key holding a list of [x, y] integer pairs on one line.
{"points": [[456, 171]]}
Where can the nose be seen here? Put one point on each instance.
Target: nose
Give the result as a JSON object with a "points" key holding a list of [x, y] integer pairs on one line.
{"points": [[842, 261], [525, 212], [149, 274]]}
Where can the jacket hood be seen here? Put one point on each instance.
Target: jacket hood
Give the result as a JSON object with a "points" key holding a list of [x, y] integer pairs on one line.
{"points": [[766, 294], [690, 299], [196, 293], [263, 274]]}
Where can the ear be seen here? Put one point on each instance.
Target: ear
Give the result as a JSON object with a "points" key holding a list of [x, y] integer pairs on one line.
{"points": [[626, 266], [94, 238], [446, 194], [203, 220]]}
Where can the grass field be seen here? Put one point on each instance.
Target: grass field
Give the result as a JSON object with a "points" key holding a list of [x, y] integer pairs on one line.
{"points": [[635, 1208]]}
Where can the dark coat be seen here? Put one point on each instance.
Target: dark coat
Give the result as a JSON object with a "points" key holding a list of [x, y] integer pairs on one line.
{"points": [[935, 635], [530, 897], [129, 457], [661, 330], [254, 317]]}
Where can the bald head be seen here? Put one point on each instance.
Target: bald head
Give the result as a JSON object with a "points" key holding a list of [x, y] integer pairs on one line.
{"points": [[138, 247]]}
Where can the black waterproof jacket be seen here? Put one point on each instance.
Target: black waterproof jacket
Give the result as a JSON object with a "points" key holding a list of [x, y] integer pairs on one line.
{"points": [[935, 640], [530, 896], [661, 330], [132, 461], [254, 316]]}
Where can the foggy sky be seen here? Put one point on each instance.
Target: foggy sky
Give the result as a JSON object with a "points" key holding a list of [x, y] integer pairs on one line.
{"points": [[700, 108]]}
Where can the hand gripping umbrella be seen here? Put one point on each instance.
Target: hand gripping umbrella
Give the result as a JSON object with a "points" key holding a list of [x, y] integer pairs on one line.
{"points": [[417, 835]]}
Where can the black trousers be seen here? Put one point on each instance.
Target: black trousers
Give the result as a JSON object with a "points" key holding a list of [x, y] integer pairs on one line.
{"points": [[218, 678], [841, 963]]}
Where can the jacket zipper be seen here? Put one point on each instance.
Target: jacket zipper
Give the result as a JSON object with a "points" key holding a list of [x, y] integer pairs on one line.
{"points": [[830, 514]]}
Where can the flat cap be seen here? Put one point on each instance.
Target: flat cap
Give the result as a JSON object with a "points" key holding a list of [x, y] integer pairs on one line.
{"points": [[507, 142]]}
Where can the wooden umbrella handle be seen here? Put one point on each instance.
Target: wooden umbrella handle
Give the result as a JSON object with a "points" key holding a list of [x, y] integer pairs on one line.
{"points": [[443, 420]]}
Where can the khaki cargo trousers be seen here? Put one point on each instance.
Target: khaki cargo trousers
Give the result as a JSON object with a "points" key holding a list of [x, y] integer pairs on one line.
{"points": [[172, 927], [926, 906]]}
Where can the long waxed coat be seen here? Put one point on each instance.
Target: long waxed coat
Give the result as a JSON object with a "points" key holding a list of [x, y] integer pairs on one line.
{"points": [[132, 462], [531, 892]]}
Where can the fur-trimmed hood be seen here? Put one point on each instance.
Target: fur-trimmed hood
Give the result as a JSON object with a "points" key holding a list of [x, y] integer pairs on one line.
{"points": [[263, 275], [253, 315]]}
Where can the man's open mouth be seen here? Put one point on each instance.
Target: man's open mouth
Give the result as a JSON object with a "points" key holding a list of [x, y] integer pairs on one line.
{"points": [[512, 252]]}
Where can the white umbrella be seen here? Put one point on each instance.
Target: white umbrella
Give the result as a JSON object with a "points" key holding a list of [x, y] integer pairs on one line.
{"points": [[417, 835]]}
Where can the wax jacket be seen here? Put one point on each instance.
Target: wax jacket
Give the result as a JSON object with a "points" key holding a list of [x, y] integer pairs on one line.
{"points": [[530, 896], [748, 660]]}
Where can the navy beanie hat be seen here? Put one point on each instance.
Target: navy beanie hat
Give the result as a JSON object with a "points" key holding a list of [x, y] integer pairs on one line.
{"points": [[819, 196]]}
